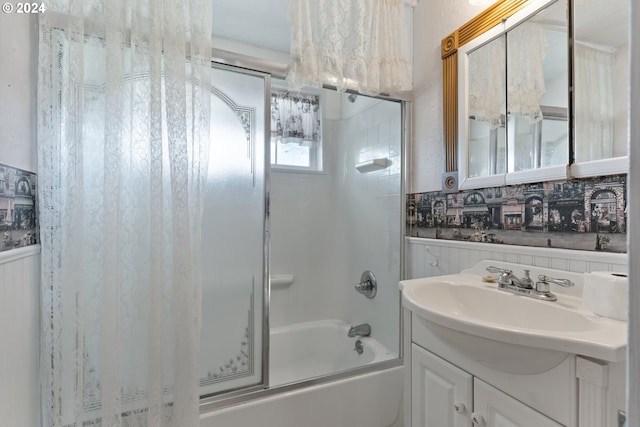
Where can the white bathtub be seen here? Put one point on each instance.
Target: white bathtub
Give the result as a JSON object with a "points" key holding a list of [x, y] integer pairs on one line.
{"points": [[314, 349], [309, 350]]}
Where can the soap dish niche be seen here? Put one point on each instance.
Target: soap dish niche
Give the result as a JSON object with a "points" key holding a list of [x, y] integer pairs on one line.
{"points": [[373, 165]]}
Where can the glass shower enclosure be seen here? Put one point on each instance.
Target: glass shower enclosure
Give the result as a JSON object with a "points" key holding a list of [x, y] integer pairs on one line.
{"points": [[283, 247]]}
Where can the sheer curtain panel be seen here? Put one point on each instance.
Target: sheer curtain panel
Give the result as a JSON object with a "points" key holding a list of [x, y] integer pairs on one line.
{"points": [[123, 137], [594, 106], [362, 45], [526, 50], [487, 96]]}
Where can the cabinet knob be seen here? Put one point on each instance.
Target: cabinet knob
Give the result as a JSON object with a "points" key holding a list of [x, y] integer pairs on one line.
{"points": [[459, 407], [477, 419]]}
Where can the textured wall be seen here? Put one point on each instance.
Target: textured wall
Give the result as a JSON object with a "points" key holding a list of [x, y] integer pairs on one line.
{"points": [[19, 268], [432, 21], [18, 48]]}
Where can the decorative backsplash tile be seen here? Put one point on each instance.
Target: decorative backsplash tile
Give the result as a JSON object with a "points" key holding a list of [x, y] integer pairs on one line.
{"points": [[586, 214], [18, 223]]}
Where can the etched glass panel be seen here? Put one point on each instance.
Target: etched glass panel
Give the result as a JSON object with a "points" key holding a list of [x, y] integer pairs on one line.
{"points": [[233, 235]]}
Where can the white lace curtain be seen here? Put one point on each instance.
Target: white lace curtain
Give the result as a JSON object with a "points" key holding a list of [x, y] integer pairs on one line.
{"points": [[295, 118], [487, 91], [362, 45], [123, 131], [594, 109], [526, 48], [523, 81]]}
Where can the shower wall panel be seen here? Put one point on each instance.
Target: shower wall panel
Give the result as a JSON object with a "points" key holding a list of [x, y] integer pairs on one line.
{"points": [[370, 208]]}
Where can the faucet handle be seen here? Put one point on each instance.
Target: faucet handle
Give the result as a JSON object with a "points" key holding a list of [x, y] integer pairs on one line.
{"points": [[561, 282], [505, 275], [492, 269], [368, 285]]}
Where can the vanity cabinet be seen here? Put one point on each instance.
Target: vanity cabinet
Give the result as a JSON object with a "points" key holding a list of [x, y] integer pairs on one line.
{"points": [[470, 348], [443, 395], [445, 385]]}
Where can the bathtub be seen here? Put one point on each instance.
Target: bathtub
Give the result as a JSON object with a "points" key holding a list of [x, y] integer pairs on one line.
{"points": [[315, 349]]}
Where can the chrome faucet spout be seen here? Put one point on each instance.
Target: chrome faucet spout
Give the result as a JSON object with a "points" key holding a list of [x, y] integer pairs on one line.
{"points": [[525, 282], [508, 279], [362, 330]]}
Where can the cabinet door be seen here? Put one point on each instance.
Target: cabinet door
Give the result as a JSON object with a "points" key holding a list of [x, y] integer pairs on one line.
{"points": [[493, 408], [440, 392]]}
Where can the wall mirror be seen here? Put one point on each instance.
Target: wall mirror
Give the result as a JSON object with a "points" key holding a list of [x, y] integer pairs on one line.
{"points": [[508, 114], [601, 86]]}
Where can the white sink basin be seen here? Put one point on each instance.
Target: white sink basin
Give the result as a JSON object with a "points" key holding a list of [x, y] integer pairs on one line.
{"points": [[512, 332], [482, 303]]}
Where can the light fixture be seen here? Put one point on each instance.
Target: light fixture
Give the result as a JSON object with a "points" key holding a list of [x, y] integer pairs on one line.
{"points": [[480, 2], [352, 97]]}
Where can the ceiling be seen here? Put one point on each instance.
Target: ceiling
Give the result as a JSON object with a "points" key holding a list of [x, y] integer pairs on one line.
{"points": [[261, 23], [604, 23]]}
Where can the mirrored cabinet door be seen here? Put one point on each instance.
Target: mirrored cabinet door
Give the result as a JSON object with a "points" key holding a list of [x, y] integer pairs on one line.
{"points": [[487, 107], [514, 99], [538, 90], [601, 78]]}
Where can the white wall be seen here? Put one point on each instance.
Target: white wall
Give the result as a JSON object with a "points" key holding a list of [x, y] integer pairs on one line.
{"points": [[429, 257], [432, 21], [19, 329], [305, 242], [19, 268], [18, 47], [634, 228]]}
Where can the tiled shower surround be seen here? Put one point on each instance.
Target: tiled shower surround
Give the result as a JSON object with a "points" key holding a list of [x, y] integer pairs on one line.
{"points": [[586, 214]]}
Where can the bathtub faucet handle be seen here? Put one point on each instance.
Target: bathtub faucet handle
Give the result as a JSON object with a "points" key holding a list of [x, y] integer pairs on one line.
{"points": [[362, 330], [368, 285]]}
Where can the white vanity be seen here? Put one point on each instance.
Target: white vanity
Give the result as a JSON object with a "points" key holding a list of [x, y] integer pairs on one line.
{"points": [[478, 356]]}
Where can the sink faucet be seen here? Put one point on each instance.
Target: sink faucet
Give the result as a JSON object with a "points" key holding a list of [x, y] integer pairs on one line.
{"points": [[508, 282], [508, 279], [362, 330]]}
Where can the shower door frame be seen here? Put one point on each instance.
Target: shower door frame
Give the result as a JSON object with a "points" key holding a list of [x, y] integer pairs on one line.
{"points": [[268, 70]]}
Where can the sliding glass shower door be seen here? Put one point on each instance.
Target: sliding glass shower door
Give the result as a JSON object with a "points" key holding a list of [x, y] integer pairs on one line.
{"points": [[234, 234]]}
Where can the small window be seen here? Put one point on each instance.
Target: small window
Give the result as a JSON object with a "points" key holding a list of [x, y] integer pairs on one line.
{"points": [[295, 131]]}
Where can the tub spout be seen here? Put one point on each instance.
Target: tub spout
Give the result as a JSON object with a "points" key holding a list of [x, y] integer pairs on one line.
{"points": [[362, 330]]}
